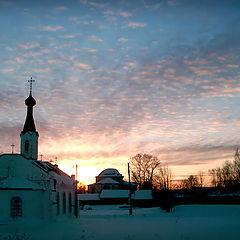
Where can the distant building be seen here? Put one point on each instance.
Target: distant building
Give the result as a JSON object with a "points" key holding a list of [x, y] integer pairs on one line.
{"points": [[30, 188], [110, 179], [142, 198]]}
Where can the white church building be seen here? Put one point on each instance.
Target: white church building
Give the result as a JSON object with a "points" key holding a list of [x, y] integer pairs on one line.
{"points": [[30, 188]]}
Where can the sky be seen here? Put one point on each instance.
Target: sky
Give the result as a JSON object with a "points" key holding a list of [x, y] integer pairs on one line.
{"points": [[117, 78]]}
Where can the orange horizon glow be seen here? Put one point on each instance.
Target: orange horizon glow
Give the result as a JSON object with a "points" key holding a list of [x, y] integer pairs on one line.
{"points": [[92, 159], [85, 174]]}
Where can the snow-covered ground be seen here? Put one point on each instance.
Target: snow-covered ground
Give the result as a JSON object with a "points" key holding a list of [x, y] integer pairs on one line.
{"points": [[112, 222]]}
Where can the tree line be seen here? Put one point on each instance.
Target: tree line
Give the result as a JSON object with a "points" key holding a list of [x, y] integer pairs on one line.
{"points": [[149, 173], [228, 175]]}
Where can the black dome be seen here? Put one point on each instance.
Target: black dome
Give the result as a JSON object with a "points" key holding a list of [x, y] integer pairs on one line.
{"points": [[30, 101]]}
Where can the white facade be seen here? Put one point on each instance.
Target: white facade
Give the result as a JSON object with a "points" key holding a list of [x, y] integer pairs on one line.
{"points": [[44, 190], [30, 188]]}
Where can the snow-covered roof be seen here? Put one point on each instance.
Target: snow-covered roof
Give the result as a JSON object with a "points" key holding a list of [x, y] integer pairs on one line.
{"points": [[127, 183], [143, 194], [114, 193], [107, 181], [50, 171], [110, 172], [8, 156], [88, 196], [19, 183]]}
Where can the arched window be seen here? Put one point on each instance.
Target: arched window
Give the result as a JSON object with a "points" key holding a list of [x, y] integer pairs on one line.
{"points": [[64, 202], [16, 207], [70, 202], [27, 146]]}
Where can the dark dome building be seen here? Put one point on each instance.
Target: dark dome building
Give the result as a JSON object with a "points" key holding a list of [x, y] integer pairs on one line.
{"points": [[109, 178], [110, 173]]}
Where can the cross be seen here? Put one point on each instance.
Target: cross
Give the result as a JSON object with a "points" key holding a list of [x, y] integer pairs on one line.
{"points": [[12, 147], [31, 81]]}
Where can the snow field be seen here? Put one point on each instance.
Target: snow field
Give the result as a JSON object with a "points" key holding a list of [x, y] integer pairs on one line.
{"points": [[198, 222]]}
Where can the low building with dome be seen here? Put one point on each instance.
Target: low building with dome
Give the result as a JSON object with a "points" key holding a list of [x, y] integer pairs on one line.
{"points": [[110, 188], [110, 179]]}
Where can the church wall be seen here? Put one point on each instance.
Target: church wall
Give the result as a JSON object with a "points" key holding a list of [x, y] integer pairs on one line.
{"points": [[62, 213], [32, 204]]}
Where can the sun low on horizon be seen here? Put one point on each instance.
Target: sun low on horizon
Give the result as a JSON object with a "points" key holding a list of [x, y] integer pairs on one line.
{"points": [[85, 174]]}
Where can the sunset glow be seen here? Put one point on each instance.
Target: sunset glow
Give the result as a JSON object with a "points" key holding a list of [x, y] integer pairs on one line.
{"points": [[116, 78], [85, 174]]}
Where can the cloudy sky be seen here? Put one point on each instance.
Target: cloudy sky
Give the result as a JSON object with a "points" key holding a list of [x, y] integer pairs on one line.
{"points": [[116, 78]]}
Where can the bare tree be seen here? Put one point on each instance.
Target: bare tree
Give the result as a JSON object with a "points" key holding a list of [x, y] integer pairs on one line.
{"points": [[236, 166], [163, 179], [213, 174], [143, 169], [201, 178], [228, 175]]}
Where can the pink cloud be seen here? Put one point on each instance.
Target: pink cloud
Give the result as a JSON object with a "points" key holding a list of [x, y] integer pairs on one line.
{"points": [[125, 14], [55, 61], [95, 38], [19, 60], [152, 67], [83, 65], [90, 50], [123, 40], [29, 45], [202, 72], [61, 8], [41, 70], [52, 29], [129, 65], [9, 70], [135, 25], [68, 36], [232, 66], [170, 70]]}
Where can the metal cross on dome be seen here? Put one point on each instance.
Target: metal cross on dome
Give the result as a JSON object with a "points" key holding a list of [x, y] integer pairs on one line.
{"points": [[31, 81]]}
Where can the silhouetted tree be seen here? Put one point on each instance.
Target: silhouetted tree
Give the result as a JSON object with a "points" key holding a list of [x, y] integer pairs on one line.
{"points": [[201, 178], [227, 176], [163, 178], [143, 169], [191, 182]]}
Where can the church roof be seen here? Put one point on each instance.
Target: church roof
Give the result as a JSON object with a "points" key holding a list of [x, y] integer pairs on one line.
{"points": [[51, 170], [19, 183], [110, 172]]}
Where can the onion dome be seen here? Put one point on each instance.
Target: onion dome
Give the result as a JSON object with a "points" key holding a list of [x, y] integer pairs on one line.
{"points": [[30, 101], [29, 125]]}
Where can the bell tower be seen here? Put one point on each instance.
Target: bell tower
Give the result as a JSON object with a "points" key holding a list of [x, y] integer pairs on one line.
{"points": [[29, 135]]}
